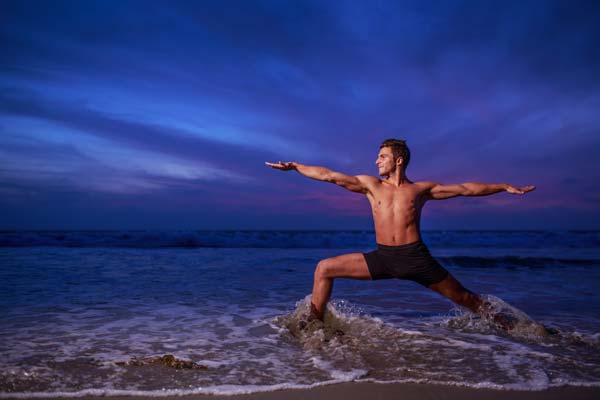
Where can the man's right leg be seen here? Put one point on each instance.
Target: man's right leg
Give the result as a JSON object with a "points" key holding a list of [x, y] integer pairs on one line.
{"points": [[346, 266]]}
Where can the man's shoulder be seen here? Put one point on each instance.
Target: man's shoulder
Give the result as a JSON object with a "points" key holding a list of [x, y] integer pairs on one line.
{"points": [[368, 181], [425, 185], [368, 178]]}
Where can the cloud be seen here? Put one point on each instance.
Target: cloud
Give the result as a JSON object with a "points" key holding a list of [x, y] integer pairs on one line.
{"points": [[125, 132], [191, 99], [28, 165]]}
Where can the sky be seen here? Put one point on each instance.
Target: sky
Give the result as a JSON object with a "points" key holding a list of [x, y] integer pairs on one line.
{"points": [[161, 114]]}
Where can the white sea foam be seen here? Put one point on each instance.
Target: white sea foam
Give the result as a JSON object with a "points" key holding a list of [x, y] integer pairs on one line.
{"points": [[259, 350], [230, 390], [338, 375]]}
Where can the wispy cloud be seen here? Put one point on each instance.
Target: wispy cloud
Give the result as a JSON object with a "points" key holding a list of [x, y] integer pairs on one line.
{"points": [[187, 100]]}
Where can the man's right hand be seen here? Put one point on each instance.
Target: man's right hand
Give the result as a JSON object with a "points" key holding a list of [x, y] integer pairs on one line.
{"points": [[284, 166], [358, 184]]}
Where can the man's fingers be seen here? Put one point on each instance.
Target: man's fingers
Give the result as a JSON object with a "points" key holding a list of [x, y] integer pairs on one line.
{"points": [[524, 189], [273, 165], [279, 165]]}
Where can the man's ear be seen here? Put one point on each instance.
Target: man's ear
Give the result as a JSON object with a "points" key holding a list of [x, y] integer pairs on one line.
{"points": [[399, 161]]}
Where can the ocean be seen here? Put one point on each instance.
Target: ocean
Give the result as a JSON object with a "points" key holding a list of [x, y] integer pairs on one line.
{"points": [[181, 312]]}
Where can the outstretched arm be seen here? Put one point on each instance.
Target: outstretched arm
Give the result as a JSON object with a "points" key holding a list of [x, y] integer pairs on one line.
{"points": [[352, 183], [440, 192]]}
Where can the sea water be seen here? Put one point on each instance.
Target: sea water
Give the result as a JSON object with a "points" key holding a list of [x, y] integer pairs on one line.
{"points": [[96, 312]]}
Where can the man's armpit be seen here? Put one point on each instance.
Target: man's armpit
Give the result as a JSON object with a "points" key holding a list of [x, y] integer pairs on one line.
{"points": [[368, 182]]}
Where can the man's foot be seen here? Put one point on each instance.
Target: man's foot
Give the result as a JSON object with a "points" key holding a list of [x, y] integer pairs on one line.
{"points": [[313, 317], [302, 324], [551, 331], [501, 320], [307, 325], [315, 313], [508, 322], [504, 321]]}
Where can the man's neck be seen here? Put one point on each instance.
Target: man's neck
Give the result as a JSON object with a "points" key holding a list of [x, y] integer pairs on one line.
{"points": [[397, 178]]}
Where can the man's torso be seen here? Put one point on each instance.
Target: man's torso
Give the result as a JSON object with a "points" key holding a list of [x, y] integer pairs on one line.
{"points": [[397, 210]]}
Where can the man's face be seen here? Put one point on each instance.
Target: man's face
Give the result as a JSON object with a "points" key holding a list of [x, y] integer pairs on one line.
{"points": [[385, 161]]}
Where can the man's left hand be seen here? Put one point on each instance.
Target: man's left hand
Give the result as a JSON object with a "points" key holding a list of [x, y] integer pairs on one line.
{"points": [[516, 190]]}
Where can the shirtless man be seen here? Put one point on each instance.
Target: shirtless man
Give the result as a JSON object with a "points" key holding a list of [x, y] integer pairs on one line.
{"points": [[396, 203]]}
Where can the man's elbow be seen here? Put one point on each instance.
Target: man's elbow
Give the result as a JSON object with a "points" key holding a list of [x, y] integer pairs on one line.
{"points": [[466, 190], [328, 177]]}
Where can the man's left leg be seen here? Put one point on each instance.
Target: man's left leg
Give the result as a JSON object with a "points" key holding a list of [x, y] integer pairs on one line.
{"points": [[455, 291], [452, 289]]}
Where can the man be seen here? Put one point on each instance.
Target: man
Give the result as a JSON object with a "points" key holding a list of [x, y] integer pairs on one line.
{"points": [[396, 203]]}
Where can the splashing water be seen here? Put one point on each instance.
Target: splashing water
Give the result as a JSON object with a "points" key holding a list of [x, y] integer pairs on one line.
{"points": [[463, 348], [501, 316]]}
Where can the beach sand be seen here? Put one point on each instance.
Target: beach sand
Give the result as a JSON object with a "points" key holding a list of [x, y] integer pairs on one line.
{"points": [[375, 391]]}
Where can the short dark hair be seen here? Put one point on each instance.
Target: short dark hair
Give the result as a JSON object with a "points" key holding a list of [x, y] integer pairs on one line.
{"points": [[399, 149]]}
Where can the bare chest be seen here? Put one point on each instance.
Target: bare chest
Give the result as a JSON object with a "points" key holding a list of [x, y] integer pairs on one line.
{"points": [[388, 200]]}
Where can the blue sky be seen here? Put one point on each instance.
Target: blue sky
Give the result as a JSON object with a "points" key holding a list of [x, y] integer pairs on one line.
{"points": [[159, 115]]}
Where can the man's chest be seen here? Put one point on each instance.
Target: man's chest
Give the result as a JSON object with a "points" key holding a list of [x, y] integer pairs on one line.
{"points": [[393, 199]]}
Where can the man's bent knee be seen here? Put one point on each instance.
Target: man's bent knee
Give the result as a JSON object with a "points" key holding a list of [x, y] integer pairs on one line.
{"points": [[323, 269]]}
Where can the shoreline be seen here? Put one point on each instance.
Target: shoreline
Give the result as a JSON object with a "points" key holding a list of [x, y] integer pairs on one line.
{"points": [[372, 390]]}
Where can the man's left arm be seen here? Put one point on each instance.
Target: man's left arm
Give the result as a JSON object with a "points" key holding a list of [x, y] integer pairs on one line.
{"points": [[440, 192]]}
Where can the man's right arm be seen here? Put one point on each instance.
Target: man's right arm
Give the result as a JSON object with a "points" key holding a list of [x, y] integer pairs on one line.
{"points": [[356, 184]]}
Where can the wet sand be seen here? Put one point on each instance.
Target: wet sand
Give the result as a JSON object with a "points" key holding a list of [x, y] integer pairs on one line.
{"points": [[374, 391]]}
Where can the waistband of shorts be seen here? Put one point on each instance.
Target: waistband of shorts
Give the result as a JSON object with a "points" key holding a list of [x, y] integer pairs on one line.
{"points": [[401, 247]]}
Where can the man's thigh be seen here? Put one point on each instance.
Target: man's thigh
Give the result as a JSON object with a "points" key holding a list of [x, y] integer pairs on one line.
{"points": [[351, 265]]}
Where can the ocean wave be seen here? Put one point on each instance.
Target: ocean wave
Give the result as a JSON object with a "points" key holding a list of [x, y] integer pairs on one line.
{"points": [[188, 239], [514, 261], [534, 240]]}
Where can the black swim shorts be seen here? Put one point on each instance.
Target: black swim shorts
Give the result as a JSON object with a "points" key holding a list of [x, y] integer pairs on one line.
{"points": [[410, 261]]}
